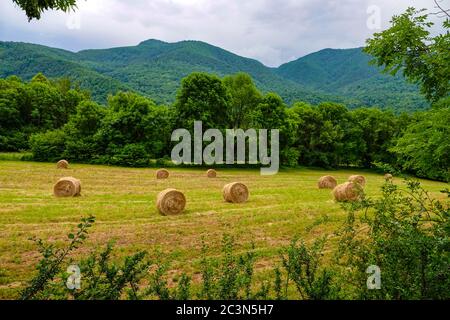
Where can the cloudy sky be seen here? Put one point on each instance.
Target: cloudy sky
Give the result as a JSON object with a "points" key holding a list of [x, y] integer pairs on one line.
{"points": [[272, 31]]}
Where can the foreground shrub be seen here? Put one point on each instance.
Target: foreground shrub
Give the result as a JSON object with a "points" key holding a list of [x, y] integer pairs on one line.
{"points": [[302, 266], [406, 234]]}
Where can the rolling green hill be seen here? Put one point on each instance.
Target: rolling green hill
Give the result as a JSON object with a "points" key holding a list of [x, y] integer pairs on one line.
{"points": [[26, 60], [154, 69], [347, 73]]}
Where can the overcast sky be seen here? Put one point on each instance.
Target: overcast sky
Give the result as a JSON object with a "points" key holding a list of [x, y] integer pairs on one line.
{"points": [[272, 31]]}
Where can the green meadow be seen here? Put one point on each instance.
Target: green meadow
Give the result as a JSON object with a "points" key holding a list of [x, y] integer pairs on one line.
{"points": [[123, 200]]}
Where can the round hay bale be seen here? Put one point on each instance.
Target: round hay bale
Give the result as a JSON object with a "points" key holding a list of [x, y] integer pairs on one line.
{"points": [[211, 173], [235, 192], [67, 187], [327, 182], [348, 191], [388, 177], [170, 202], [358, 179], [162, 174], [62, 164]]}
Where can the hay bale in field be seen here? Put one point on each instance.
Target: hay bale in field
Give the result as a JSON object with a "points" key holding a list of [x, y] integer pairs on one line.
{"points": [[162, 174], [388, 177], [170, 202], [67, 187], [62, 164], [235, 192], [348, 191], [358, 179], [327, 182], [211, 173]]}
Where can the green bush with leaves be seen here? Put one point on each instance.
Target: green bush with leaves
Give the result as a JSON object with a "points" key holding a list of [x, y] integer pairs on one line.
{"points": [[406, 233], [302, 265], [424, 148], [51, 264]]}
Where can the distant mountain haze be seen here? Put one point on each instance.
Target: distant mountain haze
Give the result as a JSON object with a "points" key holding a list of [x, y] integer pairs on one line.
{"points": [[155, 68]]}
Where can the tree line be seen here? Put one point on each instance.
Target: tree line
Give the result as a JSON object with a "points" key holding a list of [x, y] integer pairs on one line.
{"points": [[56, 119]]}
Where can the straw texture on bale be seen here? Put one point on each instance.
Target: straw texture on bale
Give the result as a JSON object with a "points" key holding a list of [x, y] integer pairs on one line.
{"points": [[348, 191], [170, 202], [358, 179], [211, 173], [327, 182], [162, 174], [388, 177], [67, 187], [235, 192], [62, 164]]}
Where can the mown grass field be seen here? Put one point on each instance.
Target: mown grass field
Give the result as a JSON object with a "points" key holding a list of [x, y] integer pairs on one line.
{"points": [[123, 200]]}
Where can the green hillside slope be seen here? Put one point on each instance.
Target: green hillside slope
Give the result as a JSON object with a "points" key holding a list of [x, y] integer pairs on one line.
{"points": [[347, 72], [154, 69]]}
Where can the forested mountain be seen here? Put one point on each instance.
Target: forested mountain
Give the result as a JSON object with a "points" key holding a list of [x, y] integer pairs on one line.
{"points": [[26, 60], [154, 69], [347, 73]]}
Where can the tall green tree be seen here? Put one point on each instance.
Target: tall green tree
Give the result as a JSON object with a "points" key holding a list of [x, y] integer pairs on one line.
{"points": [[80, 132], [369, 135], [270, 113], [408, 46], [319, 133], [134, 130], [202, 97], [244, 99]]}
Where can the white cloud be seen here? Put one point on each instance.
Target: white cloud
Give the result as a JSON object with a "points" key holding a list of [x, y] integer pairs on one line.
{"points": [[271, 31]]}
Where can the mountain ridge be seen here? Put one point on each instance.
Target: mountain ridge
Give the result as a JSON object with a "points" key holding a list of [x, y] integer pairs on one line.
{"points": [[154, 68]]}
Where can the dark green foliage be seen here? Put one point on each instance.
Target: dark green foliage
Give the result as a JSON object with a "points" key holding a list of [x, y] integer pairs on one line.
{"points": [[425, 146], [131, 155], [132, 119], [270, 112], [406, 234], [131, 130], [34, 8], [231, 277], [329, 135], [302, 266], [317, 137], [80, 142], [408, 46], [244, 96], [369, 134], [202, 97], [48, 146], [37, 106], [52, 262], [106, 280]]}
